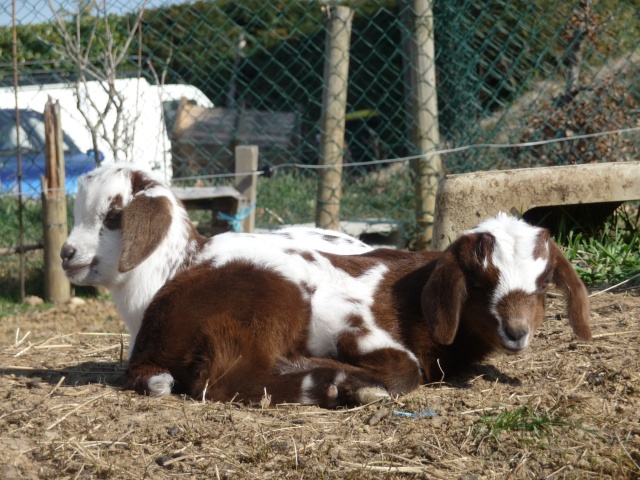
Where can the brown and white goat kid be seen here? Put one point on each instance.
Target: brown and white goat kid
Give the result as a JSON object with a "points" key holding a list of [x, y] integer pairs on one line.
{"points": [[132, 235], [246, 314]]}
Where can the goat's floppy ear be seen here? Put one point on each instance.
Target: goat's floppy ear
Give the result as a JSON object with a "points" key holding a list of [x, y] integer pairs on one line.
{"points": [[567, 280], [442, 298], [145, 223]]}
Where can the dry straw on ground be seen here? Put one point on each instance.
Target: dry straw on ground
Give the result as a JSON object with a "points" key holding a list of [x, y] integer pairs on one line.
{"points": [[563, 409]]}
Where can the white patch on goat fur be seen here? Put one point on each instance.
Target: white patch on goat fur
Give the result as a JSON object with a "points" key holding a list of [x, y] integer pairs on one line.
{"points": [[513, 256], [160, 385], [341, 376], [246, 246], [328, 241], [305, 388], [378, 339]]}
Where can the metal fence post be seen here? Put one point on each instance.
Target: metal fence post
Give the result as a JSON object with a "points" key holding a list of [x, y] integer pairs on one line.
{"points": [[334, 104], [57, 288], [424, 115]]}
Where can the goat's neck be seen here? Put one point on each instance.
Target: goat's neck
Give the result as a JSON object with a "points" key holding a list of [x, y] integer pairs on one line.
{"points": [[467, 349], [450, 360], [175, 254]]}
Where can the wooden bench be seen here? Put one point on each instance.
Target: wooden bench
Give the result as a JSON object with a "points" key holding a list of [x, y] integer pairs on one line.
{"points": [[588, 193], [227, 200], [215, 199]]}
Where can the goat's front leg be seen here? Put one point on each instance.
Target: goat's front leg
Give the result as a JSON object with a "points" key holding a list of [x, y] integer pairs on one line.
{"points": [[148, 379], [378, 356], [396, 370]]}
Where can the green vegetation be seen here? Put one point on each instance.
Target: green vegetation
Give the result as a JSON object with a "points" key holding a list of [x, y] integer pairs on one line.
{"points": [[526, 420], [10, 307], [32, 235], [286, 198], [290, 197], [610, 255], [523, 419], [32, 221]]}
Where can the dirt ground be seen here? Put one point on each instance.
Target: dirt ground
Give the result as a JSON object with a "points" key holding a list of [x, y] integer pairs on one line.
{"points": [[563, 409]]}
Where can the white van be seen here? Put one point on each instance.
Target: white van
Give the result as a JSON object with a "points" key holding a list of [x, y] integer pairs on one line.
{"points": [[146, 140]]}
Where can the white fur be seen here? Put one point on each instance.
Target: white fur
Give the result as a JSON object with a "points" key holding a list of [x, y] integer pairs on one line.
{"points": [[131, 291], [305, 388], [160, 385]]}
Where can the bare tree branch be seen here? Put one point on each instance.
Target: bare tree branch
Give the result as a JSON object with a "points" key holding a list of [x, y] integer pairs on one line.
{"points": [[77, 48]]}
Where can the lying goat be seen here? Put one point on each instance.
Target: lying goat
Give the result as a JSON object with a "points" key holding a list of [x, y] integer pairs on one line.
{"points": [[132, 235], [304, 315]]}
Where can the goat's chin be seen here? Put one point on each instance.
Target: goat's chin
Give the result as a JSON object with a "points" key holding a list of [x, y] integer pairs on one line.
{"points": [[513, 350], [78, 274], [85, 274]]}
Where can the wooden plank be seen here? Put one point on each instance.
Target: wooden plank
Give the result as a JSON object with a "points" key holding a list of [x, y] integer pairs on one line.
{"points": [[204, 193]]}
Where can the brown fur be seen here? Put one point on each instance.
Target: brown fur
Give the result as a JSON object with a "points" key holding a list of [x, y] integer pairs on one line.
{"points": [[145, 222]]}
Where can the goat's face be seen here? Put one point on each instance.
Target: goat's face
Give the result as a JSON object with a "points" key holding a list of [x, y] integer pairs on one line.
{"points": [[497, 276], [103, 244]]}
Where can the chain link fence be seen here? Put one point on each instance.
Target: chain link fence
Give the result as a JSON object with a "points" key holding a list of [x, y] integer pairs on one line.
{"points": [[177, 86]]}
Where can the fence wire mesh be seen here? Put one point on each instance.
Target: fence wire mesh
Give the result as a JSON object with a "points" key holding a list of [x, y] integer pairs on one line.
{"points": [[178, 85]]}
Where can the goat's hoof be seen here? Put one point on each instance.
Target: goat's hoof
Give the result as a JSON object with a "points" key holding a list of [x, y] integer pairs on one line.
{"points": [[160, 385], [366, 395]]}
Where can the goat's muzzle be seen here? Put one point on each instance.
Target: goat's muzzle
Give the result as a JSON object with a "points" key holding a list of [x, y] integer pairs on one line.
{"points": [[73, 269], [516, 312]]}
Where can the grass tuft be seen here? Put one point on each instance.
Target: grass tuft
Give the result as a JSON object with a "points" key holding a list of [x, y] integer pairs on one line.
{"points": [[523, 419], [610, 255], [527, 420]]}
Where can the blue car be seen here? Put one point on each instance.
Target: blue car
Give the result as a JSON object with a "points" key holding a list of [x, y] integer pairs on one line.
{"points": [[32, 148]]}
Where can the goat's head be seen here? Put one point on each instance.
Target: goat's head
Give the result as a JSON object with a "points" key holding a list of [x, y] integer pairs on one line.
{"points": [[494, 279], [121, 215]]}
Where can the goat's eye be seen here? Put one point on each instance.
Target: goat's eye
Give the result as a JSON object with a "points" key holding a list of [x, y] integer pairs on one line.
{"points": [[113, 219]]}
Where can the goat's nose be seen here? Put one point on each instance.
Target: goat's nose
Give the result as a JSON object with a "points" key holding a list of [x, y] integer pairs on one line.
{"points": [[67, 252], [516, 333]]}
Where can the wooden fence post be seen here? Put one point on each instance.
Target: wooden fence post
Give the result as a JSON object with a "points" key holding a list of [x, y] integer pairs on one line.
{"points": [[334, 104], [247, 162], [424, 115], [57, 288]]}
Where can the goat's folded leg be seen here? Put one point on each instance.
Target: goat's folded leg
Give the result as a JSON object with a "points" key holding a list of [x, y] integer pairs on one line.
{"points": [[397, 370], [324, 382], [381, 357], [364, 379], [148, 379], [309, 381]]}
